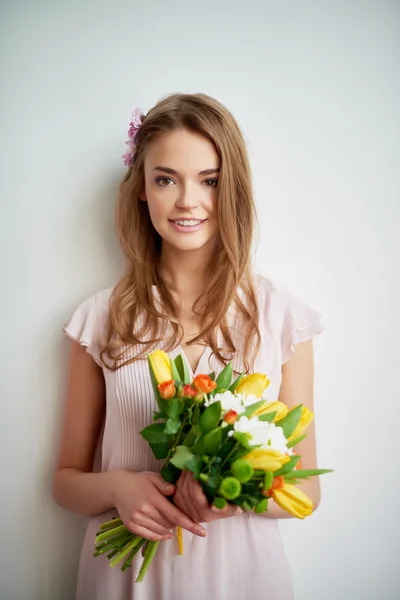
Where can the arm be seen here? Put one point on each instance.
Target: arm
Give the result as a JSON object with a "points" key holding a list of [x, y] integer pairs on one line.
{"points": [[75, 487], [298, 388], [138, 497]]}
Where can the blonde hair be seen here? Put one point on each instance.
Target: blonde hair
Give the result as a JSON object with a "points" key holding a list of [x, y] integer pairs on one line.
{"points": [[134, 319]]}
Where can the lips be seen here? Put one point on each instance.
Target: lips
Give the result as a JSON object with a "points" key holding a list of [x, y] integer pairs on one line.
{"points": [[187, 225]]}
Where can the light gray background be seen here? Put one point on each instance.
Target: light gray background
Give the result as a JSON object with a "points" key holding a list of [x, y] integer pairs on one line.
{"points": [[315, 88]]}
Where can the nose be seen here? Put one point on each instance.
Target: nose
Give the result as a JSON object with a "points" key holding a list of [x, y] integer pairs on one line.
{"points": [[186, 198]]}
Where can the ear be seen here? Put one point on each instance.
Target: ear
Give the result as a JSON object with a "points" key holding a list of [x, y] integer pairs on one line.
{"points": [[142, 194]]}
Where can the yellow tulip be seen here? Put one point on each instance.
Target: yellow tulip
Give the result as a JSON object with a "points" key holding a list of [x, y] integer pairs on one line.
{"points": [[278, 407], [254, 384], [266, 459], [305, 419], [293, 500], [161, 366]]}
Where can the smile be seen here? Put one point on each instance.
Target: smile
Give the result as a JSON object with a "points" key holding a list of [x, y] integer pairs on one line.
{"points": [[187, 225], [187, 222]]}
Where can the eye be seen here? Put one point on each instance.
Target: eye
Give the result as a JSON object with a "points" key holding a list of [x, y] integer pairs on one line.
{"points": [[211, 182], [164, 181]]}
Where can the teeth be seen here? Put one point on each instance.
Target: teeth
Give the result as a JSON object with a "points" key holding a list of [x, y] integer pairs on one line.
{"points": [[187, 223]]}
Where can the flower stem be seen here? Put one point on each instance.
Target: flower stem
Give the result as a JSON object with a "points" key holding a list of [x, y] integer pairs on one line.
{"points": [[128, 562], [110, 533], [127, 549], [148, 557], [110, 524]]}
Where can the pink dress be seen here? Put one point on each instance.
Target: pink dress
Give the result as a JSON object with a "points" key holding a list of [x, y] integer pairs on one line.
{"points": [[242, 557]]}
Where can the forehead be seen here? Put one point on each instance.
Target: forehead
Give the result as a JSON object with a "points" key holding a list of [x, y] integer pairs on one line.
{"points": [[182, 149]]}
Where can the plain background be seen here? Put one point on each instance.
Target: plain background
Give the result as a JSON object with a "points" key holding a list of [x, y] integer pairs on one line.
{"points": [[315, 88]]}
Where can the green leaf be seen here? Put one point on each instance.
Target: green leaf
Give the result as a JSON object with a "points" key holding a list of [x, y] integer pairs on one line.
{"points": [[194, 465], [296, 441], [182, 369], [269, 417], [210, 417], [250, 410], [199, 447], [176, 375], [181, 457], [195, 415], [224, 378], [158, 415], [289, 466], [160, 450], [212, 441], [170, 473], [172, 426], [174, 407], [304, 473], [212, 376], [189, 438], [236, 382], [214, 481], [155, 433], [290, 422]]}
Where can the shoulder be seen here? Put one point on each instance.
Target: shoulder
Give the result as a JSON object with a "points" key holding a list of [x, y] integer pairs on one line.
{"points": [[88, 323], [285, 315]]}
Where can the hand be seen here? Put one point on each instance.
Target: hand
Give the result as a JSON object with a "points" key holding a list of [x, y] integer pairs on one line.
{"points": [[140, 499], [190, 498]]}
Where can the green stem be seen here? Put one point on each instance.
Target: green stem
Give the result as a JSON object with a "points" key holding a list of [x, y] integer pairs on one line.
{"points": [[128, 562], [110, 524], [118, 542], [128, 548], [227, 457], [110, 533], [148, 557]]}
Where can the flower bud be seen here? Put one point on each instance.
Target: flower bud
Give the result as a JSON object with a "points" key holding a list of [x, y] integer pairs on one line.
{"points": [[167, 389], [242, 470], [230, 417], [230, 488]]}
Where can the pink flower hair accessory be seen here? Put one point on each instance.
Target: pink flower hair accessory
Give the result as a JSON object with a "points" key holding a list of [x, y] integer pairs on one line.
{"points": [[134, 126]]}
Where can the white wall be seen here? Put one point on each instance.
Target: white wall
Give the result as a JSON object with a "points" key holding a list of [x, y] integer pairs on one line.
{"points": [[315, 87]]}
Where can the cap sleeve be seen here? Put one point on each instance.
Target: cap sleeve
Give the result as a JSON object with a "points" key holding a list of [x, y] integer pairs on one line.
{"points": [[300, 323], [83, 328]]}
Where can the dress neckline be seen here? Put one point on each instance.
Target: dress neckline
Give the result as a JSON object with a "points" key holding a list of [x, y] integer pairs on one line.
{"points": [[202, 365]]}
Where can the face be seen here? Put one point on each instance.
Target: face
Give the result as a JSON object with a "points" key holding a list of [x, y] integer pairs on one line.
{"points": [[181, 171]]}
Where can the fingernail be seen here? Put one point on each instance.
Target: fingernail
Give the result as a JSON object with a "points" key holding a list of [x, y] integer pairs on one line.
{"points": [[202, 532]]}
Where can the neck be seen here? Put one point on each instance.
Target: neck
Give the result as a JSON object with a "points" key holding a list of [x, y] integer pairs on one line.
{"points": [[186, 273]]}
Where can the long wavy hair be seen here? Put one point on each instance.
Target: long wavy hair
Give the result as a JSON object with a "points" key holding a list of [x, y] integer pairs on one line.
{"points": [[137, 324]]}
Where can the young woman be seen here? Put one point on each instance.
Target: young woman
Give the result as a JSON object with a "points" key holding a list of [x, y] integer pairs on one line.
{"points": [[185, 218]]}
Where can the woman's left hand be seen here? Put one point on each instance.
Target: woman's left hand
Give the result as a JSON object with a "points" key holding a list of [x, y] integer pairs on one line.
{"points": [[190, 498]]}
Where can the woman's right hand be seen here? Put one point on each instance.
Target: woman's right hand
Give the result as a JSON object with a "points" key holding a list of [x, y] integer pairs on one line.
{"points": [[140, 499]]}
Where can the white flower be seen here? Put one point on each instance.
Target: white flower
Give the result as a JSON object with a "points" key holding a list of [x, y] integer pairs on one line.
{"points": [[249, 400], [228, 401], [262, 433]]}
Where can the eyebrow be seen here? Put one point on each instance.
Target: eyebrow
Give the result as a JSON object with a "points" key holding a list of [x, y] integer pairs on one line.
{"points": [[173, 172]]}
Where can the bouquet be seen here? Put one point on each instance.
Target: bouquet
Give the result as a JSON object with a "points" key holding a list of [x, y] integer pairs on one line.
{"points": [[239, 447]]}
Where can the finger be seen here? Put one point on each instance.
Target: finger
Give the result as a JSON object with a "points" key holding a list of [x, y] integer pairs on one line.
{"points": [[187, 504], [173, 514], [159, 518], [148, 534], [229, 511], [163, 486], [150, 524], [197, 498]]}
